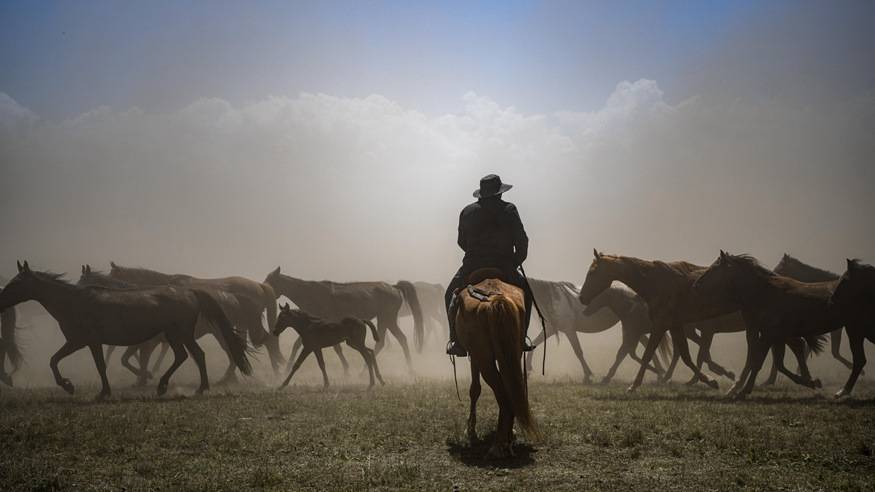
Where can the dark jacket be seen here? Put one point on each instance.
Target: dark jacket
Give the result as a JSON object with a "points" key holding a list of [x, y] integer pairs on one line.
{"points": [[492, 235]]}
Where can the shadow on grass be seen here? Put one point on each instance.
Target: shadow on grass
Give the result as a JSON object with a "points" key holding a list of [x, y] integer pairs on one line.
{"points": [[474, 453]]}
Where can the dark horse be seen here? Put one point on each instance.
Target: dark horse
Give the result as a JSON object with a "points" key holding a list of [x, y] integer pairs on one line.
{"points": [[775, 308], [252, 299], [561, 310], [95, 316], [635, 323], [795, 269], [854, 297], [8, 345], [317, 334], [363, 300], [230, 304]]}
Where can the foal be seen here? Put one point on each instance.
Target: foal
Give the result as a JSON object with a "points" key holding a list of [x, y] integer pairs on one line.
{"points": [[317, 334]]}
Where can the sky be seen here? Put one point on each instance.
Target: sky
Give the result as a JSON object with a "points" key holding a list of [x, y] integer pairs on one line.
{"points": [[340, 140]]}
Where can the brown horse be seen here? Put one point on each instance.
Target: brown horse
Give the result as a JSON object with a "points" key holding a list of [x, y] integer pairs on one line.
{"points": [[95, 316], [253, 299], [671, 301], [316, 334], [775, 308], [363, 300], [854, 297], [489, 324], [561, 310]]}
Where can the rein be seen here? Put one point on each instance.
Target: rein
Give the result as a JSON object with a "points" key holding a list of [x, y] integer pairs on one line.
{"points": [[543, 325]]}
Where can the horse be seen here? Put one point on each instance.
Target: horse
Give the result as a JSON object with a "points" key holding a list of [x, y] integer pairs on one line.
{"points": [[667, 290], [854, 297], [8, 345], [95, 316], [775, 308], [489, 324], [635, 324], [363, 300], [230, 304], [252, 299], [795, 269], [434, 312], [316, 334], [562, 313]]}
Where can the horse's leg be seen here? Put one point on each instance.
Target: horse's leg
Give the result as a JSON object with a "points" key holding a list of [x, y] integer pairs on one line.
{"points": [[654, 361], [360, 348], [680, 337], [773, 372], [97, 353], [393, 328], [382, 341], [655, 337], [778, 359], [473, 395], [706, 337], [197, 354], [835, 342], [575, 346], [501, 447], [761, 349], [799, 348], [179, 356], [751, 339], [537, 341], [855, 338], [339, 351], [164, 347], [622, 352], [145, 353], [109, 350], [321, 361], [304, 353], [295, 347], [230, 376], [67, 349], [126, 363], [675, 357], [712, 364]]}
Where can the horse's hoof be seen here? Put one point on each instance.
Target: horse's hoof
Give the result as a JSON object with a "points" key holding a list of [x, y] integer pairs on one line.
{"points": [[817, 384], [200, 391], [692, 382], [712, 384], [841, 393], [631, 389], [67, 386], [605, 381], [101, 396], [162, 389]]}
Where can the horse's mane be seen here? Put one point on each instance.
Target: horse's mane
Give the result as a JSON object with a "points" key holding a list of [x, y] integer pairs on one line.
{"points": [[858, 264], [789, 263], [53, 277], [752, 263], [145, 271]]}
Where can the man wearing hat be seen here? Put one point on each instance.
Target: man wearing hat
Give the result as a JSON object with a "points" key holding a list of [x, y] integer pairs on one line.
{"points": [[492, 235]]}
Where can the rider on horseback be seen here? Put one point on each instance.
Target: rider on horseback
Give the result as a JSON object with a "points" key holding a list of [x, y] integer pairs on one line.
{"points": [[492, 235]]}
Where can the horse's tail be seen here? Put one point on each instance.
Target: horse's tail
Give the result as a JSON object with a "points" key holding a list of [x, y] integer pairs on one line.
{"points": [[272, 343], [373, 329], [500, 318], [212, 311], [665, 348], [408, 292], [816, 344], [8, 327]]}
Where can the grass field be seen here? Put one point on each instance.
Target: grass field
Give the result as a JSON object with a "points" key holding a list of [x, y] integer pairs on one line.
{"points": [[411, 436]]}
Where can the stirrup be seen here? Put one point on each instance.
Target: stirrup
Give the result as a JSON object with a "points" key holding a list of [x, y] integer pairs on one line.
{"points": [[527, 344], [455, 349]]}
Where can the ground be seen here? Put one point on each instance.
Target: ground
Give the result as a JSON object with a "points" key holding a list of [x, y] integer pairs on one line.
{"points": [[411, 436]]}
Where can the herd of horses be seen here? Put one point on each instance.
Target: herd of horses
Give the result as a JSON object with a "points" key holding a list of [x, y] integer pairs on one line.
{"points": [[661, 305]]}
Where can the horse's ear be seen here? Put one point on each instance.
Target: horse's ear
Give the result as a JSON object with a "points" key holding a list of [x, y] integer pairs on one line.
{"points": [[852, 265], [596, 254], [87, 268], [112, 264], [18, 264], [277, 271], [83, 269], [26, 266], [722, 254]]}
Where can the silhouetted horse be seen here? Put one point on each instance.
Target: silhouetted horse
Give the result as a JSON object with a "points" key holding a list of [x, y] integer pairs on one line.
{"points": [[316, 334], [9, 348], [96, 316], [854, 298], [795, 269], [229, 303], [489, 324], [635, 323], [253, 298], [363, 300], [775, 308], [563, 314]]}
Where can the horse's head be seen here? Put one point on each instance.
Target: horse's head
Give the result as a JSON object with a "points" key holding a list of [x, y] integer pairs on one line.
{"points": [[598, 303], [855, 284], [288, 317], [272, 277], [601, 273], [20, 288]]}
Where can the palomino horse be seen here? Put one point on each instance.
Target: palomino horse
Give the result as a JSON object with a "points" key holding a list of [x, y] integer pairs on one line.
{"points": [[635, 324], [803, 272], [317, 334], [94, 316], [252, 299], [229, 303], [363, 300], [489, 324], [671, 302], [854, 297], [775, 308], [561, 310]]}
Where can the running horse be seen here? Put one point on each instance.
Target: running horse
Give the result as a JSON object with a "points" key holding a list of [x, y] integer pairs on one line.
{"points": [[854, 297], [94, 316], [489, 324], [252, 299]]}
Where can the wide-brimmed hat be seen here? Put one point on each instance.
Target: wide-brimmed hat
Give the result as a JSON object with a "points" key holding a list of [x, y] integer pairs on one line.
{"points": [[491, 185]]}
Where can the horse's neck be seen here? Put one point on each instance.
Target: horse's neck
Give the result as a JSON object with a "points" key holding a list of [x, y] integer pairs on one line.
{"points": [[57, 298], [298, 290], [635, 276]]}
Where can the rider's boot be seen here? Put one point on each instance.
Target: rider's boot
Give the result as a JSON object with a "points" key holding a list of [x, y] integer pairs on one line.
{"points": [[454, 348]]}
